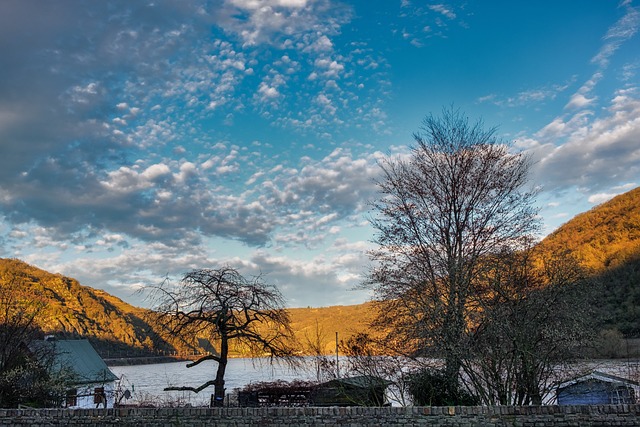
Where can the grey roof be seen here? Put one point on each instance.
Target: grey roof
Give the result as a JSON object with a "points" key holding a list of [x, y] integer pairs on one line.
{"points": [[81, 358], [599, 376]]}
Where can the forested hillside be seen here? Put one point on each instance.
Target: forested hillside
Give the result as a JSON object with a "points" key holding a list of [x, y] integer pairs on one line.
{"points": [[606, 240], [606, 236], [69, 309], [65, 307]]}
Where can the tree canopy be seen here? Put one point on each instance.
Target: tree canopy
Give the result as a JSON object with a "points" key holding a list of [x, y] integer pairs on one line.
{"points": [[220, 305], [459, 196]]}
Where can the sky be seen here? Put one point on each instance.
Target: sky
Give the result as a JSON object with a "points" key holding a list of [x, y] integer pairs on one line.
{"points": [[143, 139]]}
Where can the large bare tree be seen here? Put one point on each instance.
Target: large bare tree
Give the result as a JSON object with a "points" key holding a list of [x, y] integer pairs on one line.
{"points": [[459, 196], [222, 306]]}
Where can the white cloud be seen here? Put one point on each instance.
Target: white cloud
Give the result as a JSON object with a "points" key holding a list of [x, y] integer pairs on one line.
{"points": [[127, 180], [444, 10], [578, 100], [155, 171], [268, 92], [279, 22], [623, 30], [321, 44], [528, 97], [598, 198], [598, 152]]}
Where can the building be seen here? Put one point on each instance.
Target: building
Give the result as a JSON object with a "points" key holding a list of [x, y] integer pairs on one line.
{"points": [[597, 388], [93, 383], [362, 390]]}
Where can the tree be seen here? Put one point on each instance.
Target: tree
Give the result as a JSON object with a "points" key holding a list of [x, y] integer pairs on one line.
{"points": [[27, 374], [535, 316], [17, 322], [314, 344], [366, 358], [223, 306], [430, 387], [458, 197]]}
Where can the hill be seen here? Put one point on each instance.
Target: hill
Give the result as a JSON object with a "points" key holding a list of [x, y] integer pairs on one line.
{"points": [[115, 328], [67, 308], [604, 237], [606, 240], [317, 327]]}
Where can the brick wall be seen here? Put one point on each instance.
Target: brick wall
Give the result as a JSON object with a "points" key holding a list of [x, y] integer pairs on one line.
{"points": [[528, 416]]}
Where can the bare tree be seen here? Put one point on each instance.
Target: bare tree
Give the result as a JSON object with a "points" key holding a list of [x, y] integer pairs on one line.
{"points": [[536, 316], [315, 345], [457, 198], [18, 313], [223, 306], [366, 357], [28, 374]]}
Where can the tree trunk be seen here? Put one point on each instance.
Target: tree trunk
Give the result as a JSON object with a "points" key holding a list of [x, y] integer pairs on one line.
{"points": [[219, 390]]}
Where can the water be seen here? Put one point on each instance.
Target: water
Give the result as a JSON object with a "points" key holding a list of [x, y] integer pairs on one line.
{"points": [[147, 382]]}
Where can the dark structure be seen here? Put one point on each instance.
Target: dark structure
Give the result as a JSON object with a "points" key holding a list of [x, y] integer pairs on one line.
{"points": [[353, 391], [597, 388], [364, 390], [278, 393]]}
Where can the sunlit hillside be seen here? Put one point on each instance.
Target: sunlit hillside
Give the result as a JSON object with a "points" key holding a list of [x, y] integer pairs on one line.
{"points": [[116, 328], [605, 239], [66, 307], [314, 326]]}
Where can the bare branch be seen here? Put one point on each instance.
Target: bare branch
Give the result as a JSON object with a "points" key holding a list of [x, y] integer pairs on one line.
{"points": [[459, 197], [202, 359], [193, 389]]}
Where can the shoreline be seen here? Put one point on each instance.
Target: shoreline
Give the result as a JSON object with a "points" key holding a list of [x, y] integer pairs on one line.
{"points": [[143, 360]]}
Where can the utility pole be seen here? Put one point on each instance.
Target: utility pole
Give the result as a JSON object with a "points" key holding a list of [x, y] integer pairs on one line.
{"points": [[337, 359]]}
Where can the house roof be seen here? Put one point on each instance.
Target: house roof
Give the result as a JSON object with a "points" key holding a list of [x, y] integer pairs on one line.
{"points": [[81, 358], [599, 376]]}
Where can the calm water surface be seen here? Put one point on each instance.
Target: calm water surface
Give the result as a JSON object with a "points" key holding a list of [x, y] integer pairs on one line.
{"points": [[147, 382]]}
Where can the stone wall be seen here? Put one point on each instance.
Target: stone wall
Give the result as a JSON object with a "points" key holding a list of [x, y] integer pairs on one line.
{"points": [[528, 416]]}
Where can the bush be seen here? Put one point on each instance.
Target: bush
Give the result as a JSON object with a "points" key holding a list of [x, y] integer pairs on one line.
{"points": [[31, 384], [430, 387]]}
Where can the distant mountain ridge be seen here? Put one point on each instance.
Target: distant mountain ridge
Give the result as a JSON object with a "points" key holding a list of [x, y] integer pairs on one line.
{"points": [[606, 239]]}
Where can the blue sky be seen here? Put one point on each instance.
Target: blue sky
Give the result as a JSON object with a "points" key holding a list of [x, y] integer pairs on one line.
{"points": [[144, 139]]}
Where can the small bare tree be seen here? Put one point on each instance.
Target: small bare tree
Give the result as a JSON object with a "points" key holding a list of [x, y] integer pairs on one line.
{"points": [[223, 306], [366, 356], [315, 345]]}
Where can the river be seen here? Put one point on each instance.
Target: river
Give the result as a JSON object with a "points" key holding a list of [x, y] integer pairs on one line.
{"points": [[146, 383]]}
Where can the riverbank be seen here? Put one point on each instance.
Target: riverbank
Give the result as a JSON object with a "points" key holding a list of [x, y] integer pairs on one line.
{"points": [[144, 360], [614, 349]]}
